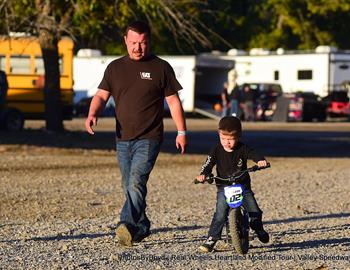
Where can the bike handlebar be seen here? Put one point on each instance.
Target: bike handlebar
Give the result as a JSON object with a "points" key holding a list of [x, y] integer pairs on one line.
{"points": [[210, 178]]}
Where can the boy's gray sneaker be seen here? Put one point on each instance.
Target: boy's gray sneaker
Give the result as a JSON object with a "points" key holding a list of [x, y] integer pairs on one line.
{"points": [[123, 235], [208, 245], [139, 238], [263, 236]]}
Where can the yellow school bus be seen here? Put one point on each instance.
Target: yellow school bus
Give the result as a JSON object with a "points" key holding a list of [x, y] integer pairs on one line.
{"points": [[21, 59]]}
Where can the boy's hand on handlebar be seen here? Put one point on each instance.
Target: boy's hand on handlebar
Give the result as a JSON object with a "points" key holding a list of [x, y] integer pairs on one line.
{"points": [[262, 163], [201, 178]]}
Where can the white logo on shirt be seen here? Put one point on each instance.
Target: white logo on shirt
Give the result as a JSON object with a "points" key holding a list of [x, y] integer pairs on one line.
{"points": [[206, 164], [240, 163], [145, 75]]}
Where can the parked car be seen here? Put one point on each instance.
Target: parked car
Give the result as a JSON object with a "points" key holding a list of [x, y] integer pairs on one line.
{"points": [[338, 104], [306, 107], [81, 108], [266, 95]]}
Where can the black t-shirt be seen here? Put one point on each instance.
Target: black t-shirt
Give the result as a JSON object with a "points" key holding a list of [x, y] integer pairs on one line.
{"points": [[226, 95], [248, 96], [138, 89], [235, 93], [228, 163]]}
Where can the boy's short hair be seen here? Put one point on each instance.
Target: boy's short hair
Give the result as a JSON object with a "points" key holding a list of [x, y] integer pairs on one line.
{"points": [[139, 27], [230, 125]]}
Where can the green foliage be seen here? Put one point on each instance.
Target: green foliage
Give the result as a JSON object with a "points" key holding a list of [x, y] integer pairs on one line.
{"points": [[187, 27], [304, 24]]}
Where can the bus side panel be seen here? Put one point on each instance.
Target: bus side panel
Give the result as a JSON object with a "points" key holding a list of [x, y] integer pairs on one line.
{"points": [[26, 78]]}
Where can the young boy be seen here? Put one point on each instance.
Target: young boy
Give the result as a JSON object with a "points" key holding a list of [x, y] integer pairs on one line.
{"points": [[230, 156]]}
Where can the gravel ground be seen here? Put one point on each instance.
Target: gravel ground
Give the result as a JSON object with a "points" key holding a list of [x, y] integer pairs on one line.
{"points": [[60, 197]]}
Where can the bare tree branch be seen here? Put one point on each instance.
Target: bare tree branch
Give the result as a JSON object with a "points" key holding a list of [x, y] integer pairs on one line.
{"points": [[181, 26]]}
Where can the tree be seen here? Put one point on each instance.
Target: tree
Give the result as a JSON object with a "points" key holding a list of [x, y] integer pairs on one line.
{"points": [[92, 19], [302, 24], [50, 21], [177, 26], [46, 20]]}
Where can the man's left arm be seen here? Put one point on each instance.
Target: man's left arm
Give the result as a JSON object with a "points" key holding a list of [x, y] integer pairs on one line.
{"points": [[177, 114]]}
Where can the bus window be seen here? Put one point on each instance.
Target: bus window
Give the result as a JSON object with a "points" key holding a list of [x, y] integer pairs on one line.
{"points": [[2, 62], [39, 65], [20, 64], [60, 65]]}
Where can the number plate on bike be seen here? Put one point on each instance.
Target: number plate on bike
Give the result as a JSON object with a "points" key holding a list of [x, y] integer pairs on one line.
{"points": [[234, 195]]}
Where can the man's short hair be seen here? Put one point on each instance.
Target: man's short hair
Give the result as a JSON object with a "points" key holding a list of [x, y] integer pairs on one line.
{"points": [[230, 125], [139, 27]]}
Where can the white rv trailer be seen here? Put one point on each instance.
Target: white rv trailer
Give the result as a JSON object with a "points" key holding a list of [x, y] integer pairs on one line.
{"points": [[201, 77], [319, 71]]}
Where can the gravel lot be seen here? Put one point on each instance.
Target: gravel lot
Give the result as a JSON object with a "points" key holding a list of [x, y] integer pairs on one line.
{"points": [[60, 197]]}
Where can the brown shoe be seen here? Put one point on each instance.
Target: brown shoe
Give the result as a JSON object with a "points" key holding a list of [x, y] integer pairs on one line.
{"points": [[123, 235], [208, 245]]}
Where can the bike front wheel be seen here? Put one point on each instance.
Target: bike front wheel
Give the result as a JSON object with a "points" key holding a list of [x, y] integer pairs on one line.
{"points": [[239, 230]]}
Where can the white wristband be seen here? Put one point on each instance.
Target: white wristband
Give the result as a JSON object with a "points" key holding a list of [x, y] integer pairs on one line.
{"points": [[181, 132]]}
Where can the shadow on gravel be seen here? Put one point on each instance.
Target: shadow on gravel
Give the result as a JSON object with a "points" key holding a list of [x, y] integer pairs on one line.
{"points": [[313, 217], [174, 240], [313, 230], [307, 244], [62, 237], [68, 139], [270, 143], [181, 229], [274, 143], [98, 235], [178, 239], [72, 237], [320, 231]]}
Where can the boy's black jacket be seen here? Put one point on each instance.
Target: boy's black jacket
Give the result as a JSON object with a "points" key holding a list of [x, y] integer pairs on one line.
{"points": [[228, 163]]}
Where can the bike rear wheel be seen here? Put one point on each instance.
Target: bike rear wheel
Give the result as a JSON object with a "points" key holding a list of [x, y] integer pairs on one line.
{"points": [[239, 230]]}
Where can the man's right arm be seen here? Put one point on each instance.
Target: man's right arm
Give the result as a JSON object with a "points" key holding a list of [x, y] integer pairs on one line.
{"points": [[97, 105]]}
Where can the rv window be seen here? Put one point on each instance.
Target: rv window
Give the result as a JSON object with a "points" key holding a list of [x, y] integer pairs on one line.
{"points": [[304, 74], [344, 66], [276, 75]]}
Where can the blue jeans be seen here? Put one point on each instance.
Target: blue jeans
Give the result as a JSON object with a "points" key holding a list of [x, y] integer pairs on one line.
{"points": [[235, 110], [225, 111], [136, 160], [222, 210]]}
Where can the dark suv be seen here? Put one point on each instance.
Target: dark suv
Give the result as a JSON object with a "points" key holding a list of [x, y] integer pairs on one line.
{"points": [[266, 95], [301, 106], [338, 104]]}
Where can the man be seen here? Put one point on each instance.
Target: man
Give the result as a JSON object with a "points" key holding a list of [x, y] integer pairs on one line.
{"points": [[138, 82], [3, 89]]}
